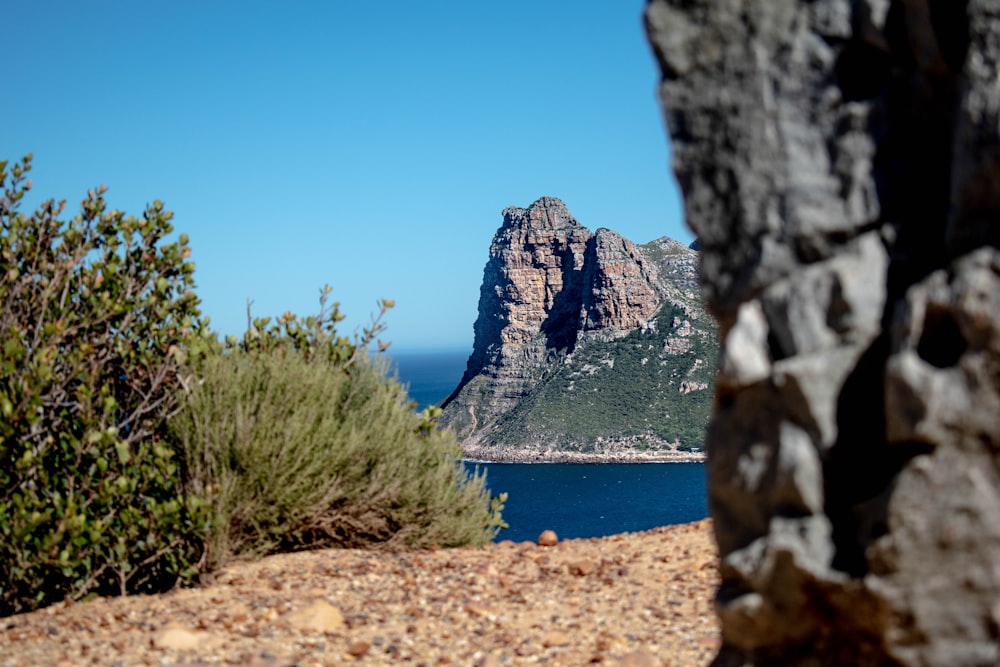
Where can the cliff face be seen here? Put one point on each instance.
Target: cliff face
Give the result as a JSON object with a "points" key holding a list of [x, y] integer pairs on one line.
{"points": [[529, 302], [839, 163], [551, 291], [622, 286]]}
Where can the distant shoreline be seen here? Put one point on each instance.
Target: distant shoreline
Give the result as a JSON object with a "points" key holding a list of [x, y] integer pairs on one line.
{"points": [[494, 455]]}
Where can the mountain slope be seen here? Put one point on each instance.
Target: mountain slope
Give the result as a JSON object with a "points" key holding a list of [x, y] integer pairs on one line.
{"points": [[587, 346]]}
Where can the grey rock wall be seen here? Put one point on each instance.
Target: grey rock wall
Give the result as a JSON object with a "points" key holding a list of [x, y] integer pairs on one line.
{"points": [[840, 163]]}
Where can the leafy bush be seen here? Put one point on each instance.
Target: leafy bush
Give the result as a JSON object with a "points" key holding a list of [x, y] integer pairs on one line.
{"points": [[96, 315], [298, 439]]}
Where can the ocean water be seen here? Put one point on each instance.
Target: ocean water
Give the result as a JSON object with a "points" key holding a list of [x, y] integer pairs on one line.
{"points": [[573, 499], [596, 499], [431, 376]]}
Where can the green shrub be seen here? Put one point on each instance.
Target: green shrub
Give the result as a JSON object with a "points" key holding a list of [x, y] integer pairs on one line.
{"points": [[96, 315], [298, 439]]}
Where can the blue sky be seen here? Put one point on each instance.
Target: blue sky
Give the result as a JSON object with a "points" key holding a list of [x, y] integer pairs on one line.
{"points": [[371, 146]]}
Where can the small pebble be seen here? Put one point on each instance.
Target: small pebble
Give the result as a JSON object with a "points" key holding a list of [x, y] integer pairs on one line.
{"points": [[639, 659], [358, 649], [320, 616], [548, 538]]}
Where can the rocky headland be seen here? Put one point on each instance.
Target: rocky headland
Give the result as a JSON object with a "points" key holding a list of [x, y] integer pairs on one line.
{"points": [[588, 347]]}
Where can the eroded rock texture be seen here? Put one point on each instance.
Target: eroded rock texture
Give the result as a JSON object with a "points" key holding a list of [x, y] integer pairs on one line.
{"points": [[840, 162]]}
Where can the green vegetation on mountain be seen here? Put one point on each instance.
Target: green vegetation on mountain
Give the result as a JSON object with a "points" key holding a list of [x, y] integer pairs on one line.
{"points": [[137, 450], [624, 389]]}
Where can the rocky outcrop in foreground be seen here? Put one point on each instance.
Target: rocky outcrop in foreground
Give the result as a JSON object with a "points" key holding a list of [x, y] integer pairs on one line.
{"points": [[571, 323], [839, 162]]}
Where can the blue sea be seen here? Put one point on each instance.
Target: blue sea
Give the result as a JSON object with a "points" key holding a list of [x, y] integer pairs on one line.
{"points": [[431, 375], [573, 499], [596, 499]]}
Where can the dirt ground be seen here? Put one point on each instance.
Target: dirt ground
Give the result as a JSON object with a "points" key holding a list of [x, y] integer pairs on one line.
{"points": [[631, 599]]}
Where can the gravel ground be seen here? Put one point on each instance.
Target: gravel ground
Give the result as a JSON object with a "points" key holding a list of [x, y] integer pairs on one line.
{"points": [[631, 599]]}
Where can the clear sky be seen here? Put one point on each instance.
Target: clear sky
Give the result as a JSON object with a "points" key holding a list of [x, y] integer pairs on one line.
{"points": [[368, 145]]}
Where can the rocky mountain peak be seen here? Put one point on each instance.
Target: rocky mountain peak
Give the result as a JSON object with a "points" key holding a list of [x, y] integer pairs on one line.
{"points": [[549, 286], [546, 213]]}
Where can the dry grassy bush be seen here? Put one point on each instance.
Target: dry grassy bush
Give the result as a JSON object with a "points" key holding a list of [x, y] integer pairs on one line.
{"points": [[299, 446]]}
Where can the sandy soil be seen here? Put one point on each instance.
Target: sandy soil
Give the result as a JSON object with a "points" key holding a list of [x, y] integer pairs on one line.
{"points": [[632, 599]]}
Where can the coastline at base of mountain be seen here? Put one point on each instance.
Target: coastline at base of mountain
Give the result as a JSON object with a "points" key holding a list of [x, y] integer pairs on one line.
{"points": [[614, 453]]}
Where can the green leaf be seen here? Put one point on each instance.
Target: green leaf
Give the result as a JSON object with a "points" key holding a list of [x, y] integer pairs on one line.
{"points": [[124, 455]]}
